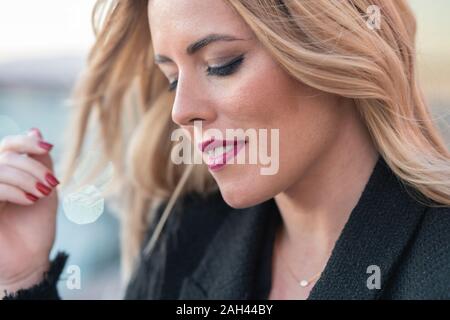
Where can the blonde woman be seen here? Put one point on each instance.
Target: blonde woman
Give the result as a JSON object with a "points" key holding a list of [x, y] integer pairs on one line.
{"points": [[358, 207]]}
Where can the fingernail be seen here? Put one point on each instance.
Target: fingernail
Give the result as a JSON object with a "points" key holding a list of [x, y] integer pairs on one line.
{"points": [[51, 180], [31, 197], [43, 189], [37, 132], [45, 145]]}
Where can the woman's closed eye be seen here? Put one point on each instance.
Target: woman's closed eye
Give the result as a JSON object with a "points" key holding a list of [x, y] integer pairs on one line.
{"points": [[220, 71]]}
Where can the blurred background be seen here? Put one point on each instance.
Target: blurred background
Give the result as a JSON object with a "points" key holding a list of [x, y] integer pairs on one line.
{"points": [[43, 45]]}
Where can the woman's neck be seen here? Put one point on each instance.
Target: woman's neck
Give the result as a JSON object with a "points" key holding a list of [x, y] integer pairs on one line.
{"points": [[315, 209]]}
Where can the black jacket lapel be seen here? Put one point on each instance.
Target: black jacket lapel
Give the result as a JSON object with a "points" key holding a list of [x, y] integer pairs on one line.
{"points": [[377, 232], [229, 269]]}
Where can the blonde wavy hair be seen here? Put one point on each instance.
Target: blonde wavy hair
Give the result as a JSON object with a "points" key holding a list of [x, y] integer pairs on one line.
{"points": [[324, 44]]}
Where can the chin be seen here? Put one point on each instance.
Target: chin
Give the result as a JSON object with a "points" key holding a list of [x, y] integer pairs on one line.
{"points": [[241, 199]]}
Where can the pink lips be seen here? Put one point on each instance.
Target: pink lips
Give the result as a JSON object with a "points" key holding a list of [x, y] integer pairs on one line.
{"points": [[216, 163], [202, 146]]}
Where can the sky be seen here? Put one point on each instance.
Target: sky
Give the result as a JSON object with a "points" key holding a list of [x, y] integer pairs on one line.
{"points": [[433, 25], [42, 28]]}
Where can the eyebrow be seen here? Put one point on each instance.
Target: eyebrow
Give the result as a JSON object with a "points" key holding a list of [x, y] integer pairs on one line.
{"points": [[199, 44]]}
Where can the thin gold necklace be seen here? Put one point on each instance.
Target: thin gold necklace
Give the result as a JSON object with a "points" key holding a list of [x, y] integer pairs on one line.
{"points": [[303, 283]]}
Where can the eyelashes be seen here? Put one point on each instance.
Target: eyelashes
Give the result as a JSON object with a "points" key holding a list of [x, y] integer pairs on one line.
{"points": [[221, 71], [173, 85], [227, 69]]}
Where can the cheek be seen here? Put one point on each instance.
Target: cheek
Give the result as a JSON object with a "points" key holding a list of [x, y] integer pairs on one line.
{"points": [[265, 96], [259, 94]]}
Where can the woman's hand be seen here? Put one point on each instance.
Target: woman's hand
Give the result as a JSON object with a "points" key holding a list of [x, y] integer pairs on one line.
{"points": [[28, 205]]}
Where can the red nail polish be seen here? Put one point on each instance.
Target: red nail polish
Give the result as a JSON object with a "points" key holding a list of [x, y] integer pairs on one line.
{"points": [[37, 131], [31, 197], [45, 145], [51, 180], [43, 189]]}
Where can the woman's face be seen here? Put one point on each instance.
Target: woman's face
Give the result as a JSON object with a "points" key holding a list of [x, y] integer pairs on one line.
{"points": [[234, 83]]}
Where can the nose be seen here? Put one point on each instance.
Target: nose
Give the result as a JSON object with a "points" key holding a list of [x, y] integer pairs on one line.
{"points": [[191, 105]]}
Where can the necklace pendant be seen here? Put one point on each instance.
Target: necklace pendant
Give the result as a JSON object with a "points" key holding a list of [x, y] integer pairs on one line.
{"points": [[304, 283]]}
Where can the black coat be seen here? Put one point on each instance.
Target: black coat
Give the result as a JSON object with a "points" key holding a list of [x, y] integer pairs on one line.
{"points": [[212, 251]]}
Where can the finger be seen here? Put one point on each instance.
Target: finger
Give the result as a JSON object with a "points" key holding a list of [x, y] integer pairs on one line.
{"points": [[25, 144], [45, 159], [36, 132], [30, 165], [24, 181], [15, 195]]}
